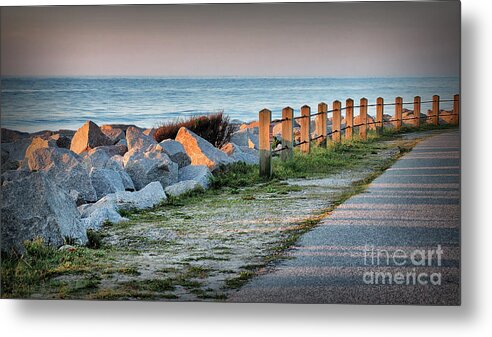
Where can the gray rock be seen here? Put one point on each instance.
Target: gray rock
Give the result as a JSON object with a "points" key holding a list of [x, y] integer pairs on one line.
{"points": [[144, 168], [245, 137], [88, 137], [238, 155], [115, 163], [107, 208], [13, 153], [176, 152], [64, 168], [137, 141], [106, 181], [200, 151], [182, 187], [198, 173], [96, 158], [35, 206]]}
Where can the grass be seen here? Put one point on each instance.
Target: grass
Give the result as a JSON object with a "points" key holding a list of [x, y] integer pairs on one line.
{"points": [[23, 274]]}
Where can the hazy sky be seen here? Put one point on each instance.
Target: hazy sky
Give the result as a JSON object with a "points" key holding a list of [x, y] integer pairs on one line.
{"points": [[317, 39]]}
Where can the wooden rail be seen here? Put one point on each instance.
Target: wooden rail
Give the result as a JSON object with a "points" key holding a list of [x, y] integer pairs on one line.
{"points": [[322, 136]]}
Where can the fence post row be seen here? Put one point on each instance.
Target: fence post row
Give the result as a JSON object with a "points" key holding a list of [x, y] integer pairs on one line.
{"points": [[363, 119], [349, 118], [379, 115], [305, 123], [288, 140], [287, 133], [416, 111], [435, 110], [321, 123], [264, 120]]}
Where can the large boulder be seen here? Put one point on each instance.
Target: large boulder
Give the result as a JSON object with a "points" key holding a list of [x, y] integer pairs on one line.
{"points": [[146, 167], [245, 137], [107, 208], [87, 137], [182, 187], [137, 141], [238, 155], [61, 141], [112, 133], [250, 125], [35, 206], [200, 151], [198, 173], [12, 175], [64, 168], [176, 152], [106, 181]]}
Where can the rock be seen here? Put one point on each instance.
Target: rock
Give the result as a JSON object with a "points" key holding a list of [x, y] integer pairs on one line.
{"points": [[200, 151], [13, 153], [96, 158], [87, 137], [138, 141], [198, 173], [39, 143], [106, 181], [182, 187], [115, 163], [149, 132], [245, 138], [237, 154], [64, 168], [251, 125], [146, 167], [9, 136], [114, 134], [62, 141], [123, 127], [176, 152], [12, 175], [35, 206], [67, 248], [107, 208]]}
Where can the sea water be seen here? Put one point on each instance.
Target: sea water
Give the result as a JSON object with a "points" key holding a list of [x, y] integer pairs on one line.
{"points": [[34, 104]]}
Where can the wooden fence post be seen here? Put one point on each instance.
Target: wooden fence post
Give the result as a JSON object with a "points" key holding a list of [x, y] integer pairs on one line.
{"points": [[398, 112], [305, 124], [379, 115], [287, 133], [435, 110], [336, 121], [265, 118], [456, 109], [416, 111], [349, 118], [363, 119], [321, 123]]}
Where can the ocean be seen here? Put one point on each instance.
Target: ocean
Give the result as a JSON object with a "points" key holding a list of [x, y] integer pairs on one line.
{"points": [[35, 104]]}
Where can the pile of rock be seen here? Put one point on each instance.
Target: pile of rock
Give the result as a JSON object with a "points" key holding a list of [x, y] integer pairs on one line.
{"points": [[56, 185]]}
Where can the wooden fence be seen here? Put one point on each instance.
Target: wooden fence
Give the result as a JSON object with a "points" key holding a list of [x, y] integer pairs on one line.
{"points": [[322, 136]]}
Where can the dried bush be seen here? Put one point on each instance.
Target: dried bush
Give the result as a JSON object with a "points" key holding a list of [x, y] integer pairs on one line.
{"points": [[215, 128]]}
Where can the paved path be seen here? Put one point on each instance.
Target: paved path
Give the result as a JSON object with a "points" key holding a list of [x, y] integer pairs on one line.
{"points": [[412, 209]]}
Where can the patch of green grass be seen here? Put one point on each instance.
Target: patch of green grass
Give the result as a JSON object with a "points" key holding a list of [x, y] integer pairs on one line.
{"points": [[239, 281], [22, 274]]}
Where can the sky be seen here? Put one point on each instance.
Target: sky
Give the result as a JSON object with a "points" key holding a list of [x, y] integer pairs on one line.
{"points": [[296, 39]]}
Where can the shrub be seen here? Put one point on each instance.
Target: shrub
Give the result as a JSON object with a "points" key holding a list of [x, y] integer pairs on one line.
{"points": [[215, 128], [94, 239]]}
